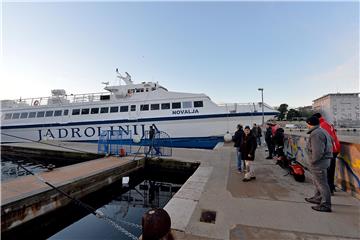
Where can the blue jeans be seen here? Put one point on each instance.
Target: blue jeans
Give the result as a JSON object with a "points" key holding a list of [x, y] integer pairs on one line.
{"points": [[238, 159], [258, 140]]}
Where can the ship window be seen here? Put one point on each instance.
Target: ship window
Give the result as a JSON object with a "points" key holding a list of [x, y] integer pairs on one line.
{"points": [[24, 115], [155, 106], [165, 106], [8, 115], [94, 110], [137, 90], [187, 104], [133, 108], [49, 113], [104, 110], [66, 112], [32, 114], [198, 104], [141, 90], [76, 112], [176, 105], [40, 114], [105, 97], [57, 113], [144, 107], [114, 109], [124, 108], [147, 89], [16, 116], [85, 111]]}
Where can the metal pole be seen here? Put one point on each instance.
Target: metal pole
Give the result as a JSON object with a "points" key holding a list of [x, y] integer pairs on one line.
{"points": [[262, 104]]}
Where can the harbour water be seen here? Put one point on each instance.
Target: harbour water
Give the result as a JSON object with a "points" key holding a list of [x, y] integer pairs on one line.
{"points": [[11, 170], [10, 166], [121, 201]]}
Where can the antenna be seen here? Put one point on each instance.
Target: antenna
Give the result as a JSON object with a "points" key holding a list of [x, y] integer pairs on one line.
{"points": [[126, 79]]}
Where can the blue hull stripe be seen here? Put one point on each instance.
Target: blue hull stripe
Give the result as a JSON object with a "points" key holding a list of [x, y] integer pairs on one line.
{"points": [[140, 120], [191, 142]]}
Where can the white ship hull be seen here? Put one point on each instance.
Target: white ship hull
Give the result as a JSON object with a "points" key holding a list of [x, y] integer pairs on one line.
{"points": [[203, 132]]}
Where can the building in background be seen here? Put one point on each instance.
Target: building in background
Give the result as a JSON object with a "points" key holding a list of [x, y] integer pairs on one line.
{"points": [[341, 109]]}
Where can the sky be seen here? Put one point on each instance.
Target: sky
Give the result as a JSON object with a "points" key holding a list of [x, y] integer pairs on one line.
{"points": [[295, 51]]}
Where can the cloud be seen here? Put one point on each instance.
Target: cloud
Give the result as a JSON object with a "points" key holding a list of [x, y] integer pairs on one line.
{"points": [[344, 77]]}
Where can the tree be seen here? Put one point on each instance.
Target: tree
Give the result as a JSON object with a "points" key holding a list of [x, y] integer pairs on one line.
{"points": [[306, 112], [292, 113], [282, 109]]}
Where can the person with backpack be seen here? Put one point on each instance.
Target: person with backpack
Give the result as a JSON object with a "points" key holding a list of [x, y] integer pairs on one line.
{"points": [[319, 148], [248, 147], [335, 149], [237, 139]]}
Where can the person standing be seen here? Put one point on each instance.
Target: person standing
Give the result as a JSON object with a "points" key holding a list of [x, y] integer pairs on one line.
{"points": [[335, 149], [269, 141], [152, 133], [259, 135], [319, 148], [248, 147], [237, 139]]}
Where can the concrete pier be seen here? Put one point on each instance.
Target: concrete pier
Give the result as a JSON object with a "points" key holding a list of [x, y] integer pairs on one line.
{"points": [[214, 203], [26, 198], [270, 207]]}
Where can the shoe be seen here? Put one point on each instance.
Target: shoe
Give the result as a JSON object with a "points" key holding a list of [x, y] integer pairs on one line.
{"points": [[269, 157], [252, 178], [313, 200], [239, 171], [321, 208], [246, 179]]}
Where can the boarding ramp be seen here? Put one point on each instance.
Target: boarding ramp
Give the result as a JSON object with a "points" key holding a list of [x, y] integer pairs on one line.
{"points": [[115, 142]]}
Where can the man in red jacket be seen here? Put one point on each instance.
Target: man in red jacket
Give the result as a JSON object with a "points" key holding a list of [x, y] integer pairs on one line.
{"points": [[336, 149]]}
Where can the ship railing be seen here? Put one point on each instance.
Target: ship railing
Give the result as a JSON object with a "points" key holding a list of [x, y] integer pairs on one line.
{"points": [[245, 107], [239, 107], [56, 100]]}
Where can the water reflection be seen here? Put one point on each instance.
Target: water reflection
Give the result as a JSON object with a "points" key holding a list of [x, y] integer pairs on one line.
{"points": [[128, 206], [120, 202], [11, 170]]}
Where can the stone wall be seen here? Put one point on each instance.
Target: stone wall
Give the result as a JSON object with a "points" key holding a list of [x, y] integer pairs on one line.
{"points": [[347, 173]]}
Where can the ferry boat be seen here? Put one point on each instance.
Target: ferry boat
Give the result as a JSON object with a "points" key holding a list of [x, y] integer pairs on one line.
{"points": [[191, 120]]}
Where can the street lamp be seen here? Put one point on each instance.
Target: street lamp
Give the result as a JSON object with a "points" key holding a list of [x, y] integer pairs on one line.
{"points": [[262, 103]]}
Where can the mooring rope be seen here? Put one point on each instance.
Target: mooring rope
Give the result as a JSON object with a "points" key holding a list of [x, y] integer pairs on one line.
{"points": [[92, 210], [68, 148], [54, 145]]}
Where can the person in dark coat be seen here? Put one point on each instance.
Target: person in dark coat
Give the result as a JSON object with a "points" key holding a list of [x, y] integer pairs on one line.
{"points": [[278, 140], [269, 141], [248, 147], [259, 135], [237, 139]]}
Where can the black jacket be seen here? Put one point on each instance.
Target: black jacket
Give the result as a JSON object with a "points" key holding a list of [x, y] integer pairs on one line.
{"points": [[268, 134], [279, 137], [248, 146], [237, 138]]}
